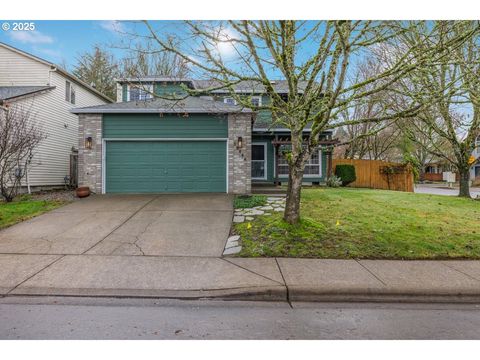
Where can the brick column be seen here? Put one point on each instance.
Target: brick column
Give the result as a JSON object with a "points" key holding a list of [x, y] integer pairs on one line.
{"points": [[90, 161], [239, 160]]}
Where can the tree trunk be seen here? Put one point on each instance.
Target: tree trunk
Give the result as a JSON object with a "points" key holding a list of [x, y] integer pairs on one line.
{"points": [[421, 174], [294, 189], [464, 182]]}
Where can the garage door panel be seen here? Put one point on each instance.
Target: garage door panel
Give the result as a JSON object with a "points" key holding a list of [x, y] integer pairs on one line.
{"points": [[165, 166]]}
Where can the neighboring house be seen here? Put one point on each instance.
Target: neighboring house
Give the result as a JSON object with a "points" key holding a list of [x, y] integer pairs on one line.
{"points": [[198, 144], [475, 170], [434, 170], [48, 93]]}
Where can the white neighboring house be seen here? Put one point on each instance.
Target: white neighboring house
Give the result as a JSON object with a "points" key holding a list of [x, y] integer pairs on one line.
{"points": [[475, 169], [49, 93]]}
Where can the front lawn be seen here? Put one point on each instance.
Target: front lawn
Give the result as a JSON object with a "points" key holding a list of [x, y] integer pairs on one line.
{"points": [[23, 209], [363, 223]]}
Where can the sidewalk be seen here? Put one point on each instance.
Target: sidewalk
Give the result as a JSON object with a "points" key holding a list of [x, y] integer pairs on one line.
{"points": [[241, 279]]}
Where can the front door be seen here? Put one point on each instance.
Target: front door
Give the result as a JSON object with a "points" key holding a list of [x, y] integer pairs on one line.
{"points": [[259, 161]]}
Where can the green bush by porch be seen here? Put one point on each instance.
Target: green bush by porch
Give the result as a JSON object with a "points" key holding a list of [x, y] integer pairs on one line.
{"points": [[360, 223]]}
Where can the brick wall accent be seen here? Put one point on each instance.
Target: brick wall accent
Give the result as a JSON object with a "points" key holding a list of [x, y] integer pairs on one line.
{"points": [[90, 161], [239, 160]]}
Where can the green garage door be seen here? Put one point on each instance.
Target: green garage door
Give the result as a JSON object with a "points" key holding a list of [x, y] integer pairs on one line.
{"points": [[165, 166]]}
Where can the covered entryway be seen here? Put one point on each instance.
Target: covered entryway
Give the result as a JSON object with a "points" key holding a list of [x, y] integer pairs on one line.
{"points": [[165, 166]]}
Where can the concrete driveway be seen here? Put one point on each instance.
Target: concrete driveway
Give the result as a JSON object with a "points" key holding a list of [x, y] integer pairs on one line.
{"points": [[160, 225]]}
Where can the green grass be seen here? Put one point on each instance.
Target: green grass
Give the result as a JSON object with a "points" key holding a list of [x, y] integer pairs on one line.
{"points": [[359, 223], [23, 209], [242, 202]]}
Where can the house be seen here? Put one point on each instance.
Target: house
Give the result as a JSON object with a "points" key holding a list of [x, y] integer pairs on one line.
{"points": [[206, 143], [475, 169], [48, 93], [434, 170]]}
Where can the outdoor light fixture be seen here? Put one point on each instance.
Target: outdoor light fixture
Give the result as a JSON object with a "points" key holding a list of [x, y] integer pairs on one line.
{"points": [[88, 143], [239, 142]]}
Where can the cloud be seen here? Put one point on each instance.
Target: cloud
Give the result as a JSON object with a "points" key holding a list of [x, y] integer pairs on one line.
{"points": [[31, 37], [113, 26], [225, 46]]}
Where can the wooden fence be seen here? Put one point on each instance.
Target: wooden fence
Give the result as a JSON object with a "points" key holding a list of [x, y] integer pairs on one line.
{"points": [[370, 175]]}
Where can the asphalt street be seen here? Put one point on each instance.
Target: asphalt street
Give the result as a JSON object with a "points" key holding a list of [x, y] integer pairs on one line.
{"points": [[109, 318]]}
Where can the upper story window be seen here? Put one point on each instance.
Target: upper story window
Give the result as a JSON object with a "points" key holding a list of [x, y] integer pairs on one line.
{"points": [[256, 101], [140, 93], [69, 92], [230, 101]]}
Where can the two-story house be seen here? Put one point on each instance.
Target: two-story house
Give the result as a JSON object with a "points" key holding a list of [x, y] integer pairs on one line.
{"points": [[204, 143], [48, 93]]}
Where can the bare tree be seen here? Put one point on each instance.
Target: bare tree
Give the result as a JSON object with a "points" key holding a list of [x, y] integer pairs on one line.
{"points": [[315, 59], [450, 90], [19, 136], [144, 60]]}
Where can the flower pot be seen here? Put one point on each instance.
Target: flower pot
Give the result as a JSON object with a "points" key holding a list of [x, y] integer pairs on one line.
{"points": [[83, 191]]}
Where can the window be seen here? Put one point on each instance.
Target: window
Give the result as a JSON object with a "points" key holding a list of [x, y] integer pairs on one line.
{"points": [[141, 93], [312, 167], [230, 101], [256, 100], [259, 161], [72, 94], [67, 91]]}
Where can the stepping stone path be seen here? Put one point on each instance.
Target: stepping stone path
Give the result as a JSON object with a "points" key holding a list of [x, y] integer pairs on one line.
{"points": [[274, 204], [232, 246]]}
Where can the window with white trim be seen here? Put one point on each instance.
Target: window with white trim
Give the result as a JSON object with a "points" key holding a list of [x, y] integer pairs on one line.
{"points": [[313, 167], [69, 92], [140, 92], [230, 101]]}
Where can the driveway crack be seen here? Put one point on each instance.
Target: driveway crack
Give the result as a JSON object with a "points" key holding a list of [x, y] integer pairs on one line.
{"points": [[119, 226]]}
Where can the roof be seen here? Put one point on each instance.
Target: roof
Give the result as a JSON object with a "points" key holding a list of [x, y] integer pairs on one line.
{"points": [[190, 104], [246, 87], [59, 69], [11, 92]]}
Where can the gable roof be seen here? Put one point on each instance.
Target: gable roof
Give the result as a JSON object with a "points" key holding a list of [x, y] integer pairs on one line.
{"points": [[245, 87], [55, 67], [11, 92], [190, 104]]}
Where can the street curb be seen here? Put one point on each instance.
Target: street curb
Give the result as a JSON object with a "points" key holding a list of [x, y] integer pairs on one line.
{"points": [[270, 294], [392, 295], [262, 293]]}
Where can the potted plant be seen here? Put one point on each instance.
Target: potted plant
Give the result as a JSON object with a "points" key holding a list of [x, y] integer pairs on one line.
{"points": [[83, 191]]}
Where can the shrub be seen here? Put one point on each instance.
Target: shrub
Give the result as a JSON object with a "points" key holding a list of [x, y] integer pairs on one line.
{"points": [[346, 173], [249, 201], [334, 181]]}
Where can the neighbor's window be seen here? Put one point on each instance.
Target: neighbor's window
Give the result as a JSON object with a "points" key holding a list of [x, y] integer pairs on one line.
{"points": [[312, 167], [256, 100], [140, 93], [67, 90], [72, 94], [230, 101]]}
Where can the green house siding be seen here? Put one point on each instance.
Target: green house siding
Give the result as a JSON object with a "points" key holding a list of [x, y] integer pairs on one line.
{"points": [[165, 166], [271, 162], [168, 126]]}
